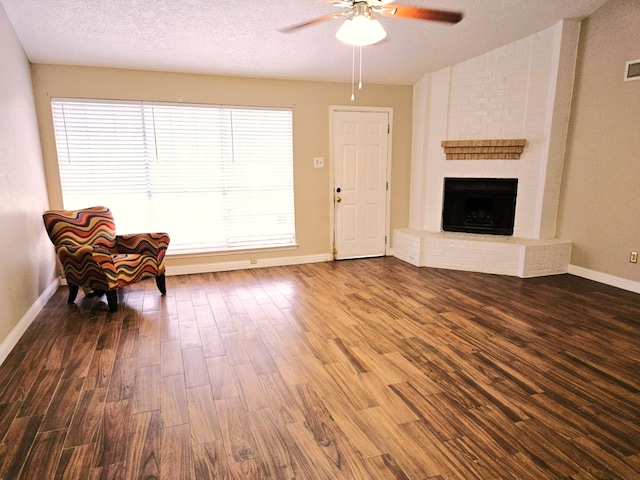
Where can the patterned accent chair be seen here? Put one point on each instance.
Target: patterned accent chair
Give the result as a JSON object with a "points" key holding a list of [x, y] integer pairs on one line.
{"points": [[93, 256]]}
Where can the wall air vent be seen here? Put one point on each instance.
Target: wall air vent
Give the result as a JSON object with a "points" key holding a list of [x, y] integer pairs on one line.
{"points": [[632, 70]]}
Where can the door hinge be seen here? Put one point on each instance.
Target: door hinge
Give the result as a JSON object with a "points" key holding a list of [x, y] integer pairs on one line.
{"points": [[385, 239], [388, 128], [387, 186]]}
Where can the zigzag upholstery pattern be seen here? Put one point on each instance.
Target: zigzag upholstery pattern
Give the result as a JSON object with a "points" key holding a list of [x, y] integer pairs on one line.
{"points": [[93, 256], [152, 244], [91, 226]]}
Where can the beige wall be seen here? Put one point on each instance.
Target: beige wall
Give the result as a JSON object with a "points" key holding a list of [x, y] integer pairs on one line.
{"points": [[26, 256], [310, 102], [600, 196]]}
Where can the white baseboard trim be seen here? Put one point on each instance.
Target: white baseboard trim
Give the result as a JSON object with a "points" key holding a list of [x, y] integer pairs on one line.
{"points": [[600, 277], [12, 339], [605, 278], [245, 264]]}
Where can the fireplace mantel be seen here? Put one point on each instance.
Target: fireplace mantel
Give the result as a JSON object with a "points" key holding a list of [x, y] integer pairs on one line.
{"points": [[484, 149]]}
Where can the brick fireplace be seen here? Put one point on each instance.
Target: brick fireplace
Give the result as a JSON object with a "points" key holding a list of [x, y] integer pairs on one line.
{"points": [[521, 95]]}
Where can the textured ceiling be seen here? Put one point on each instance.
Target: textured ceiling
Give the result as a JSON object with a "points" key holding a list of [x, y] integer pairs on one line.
{"points": [[241, 37]]}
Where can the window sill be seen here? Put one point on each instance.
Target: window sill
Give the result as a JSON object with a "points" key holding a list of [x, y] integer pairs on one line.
{"points": [[186, 253]]}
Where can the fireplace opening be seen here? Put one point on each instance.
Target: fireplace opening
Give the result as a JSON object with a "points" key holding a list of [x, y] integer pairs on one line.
{"points": [[479, 205]]}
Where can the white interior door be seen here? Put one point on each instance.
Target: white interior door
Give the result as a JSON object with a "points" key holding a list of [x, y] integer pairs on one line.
{"points": [[360, 155]]}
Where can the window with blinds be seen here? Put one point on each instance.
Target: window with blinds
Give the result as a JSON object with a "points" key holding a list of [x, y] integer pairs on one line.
{"points": [[214, 177]]}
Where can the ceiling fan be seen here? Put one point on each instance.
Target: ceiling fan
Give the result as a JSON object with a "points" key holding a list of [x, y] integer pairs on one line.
{"points": [[362, 28]]}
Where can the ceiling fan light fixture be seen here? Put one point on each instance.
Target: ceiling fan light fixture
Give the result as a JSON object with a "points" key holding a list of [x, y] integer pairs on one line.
{"points": [[361, 30]]}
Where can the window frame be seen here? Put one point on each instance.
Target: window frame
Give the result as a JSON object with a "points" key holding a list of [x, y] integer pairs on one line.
{"points": [[283, 192]]}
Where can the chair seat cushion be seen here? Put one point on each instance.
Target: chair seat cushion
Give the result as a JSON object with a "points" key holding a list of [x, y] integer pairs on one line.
{"points": [[131, 267]]}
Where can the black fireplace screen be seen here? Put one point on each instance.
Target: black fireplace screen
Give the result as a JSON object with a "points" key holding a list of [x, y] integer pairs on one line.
{"points": [[479, 205]]}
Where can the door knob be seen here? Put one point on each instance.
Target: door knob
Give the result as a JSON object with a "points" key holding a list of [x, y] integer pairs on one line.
{"points": [[338, 199]]}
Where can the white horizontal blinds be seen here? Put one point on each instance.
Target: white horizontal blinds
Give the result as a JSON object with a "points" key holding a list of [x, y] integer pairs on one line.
{"points": [[214, 177], [101, 154], [192, 145], [259, 178]]}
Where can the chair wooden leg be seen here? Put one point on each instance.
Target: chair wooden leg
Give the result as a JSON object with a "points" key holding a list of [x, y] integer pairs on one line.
{"points": [[161, 284], [112, 300], [73, 293]]}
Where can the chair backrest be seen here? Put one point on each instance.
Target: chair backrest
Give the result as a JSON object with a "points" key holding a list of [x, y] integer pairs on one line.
{"points": [[89, 226]]}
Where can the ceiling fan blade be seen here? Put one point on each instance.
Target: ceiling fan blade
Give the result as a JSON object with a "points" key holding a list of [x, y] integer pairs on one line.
{"points": [[338, 3], [404, 11], [313, 21]]}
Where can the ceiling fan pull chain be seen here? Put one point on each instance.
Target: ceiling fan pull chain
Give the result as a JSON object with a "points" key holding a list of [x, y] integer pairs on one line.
{"points": [[360, 82], [353, 72]]}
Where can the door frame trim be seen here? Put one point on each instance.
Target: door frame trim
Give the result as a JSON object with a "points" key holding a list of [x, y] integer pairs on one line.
{"points": [[333, 109]]}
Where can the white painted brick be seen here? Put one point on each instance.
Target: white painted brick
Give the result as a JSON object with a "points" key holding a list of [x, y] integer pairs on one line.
{"points": [[482, 253], [505, 93]]}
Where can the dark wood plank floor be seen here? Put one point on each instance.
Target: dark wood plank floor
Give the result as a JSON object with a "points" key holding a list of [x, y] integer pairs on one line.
{"points": [[367, 369]]}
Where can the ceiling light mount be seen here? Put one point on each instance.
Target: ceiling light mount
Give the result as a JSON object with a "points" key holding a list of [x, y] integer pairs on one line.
{"points": [[361, 28]]}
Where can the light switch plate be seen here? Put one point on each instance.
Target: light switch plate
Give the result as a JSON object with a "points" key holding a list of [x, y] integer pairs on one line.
{"points": [[318, 162]]}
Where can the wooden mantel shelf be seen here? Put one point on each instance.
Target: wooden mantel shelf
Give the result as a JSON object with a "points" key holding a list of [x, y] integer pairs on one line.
{"points": [[483, 149]]}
